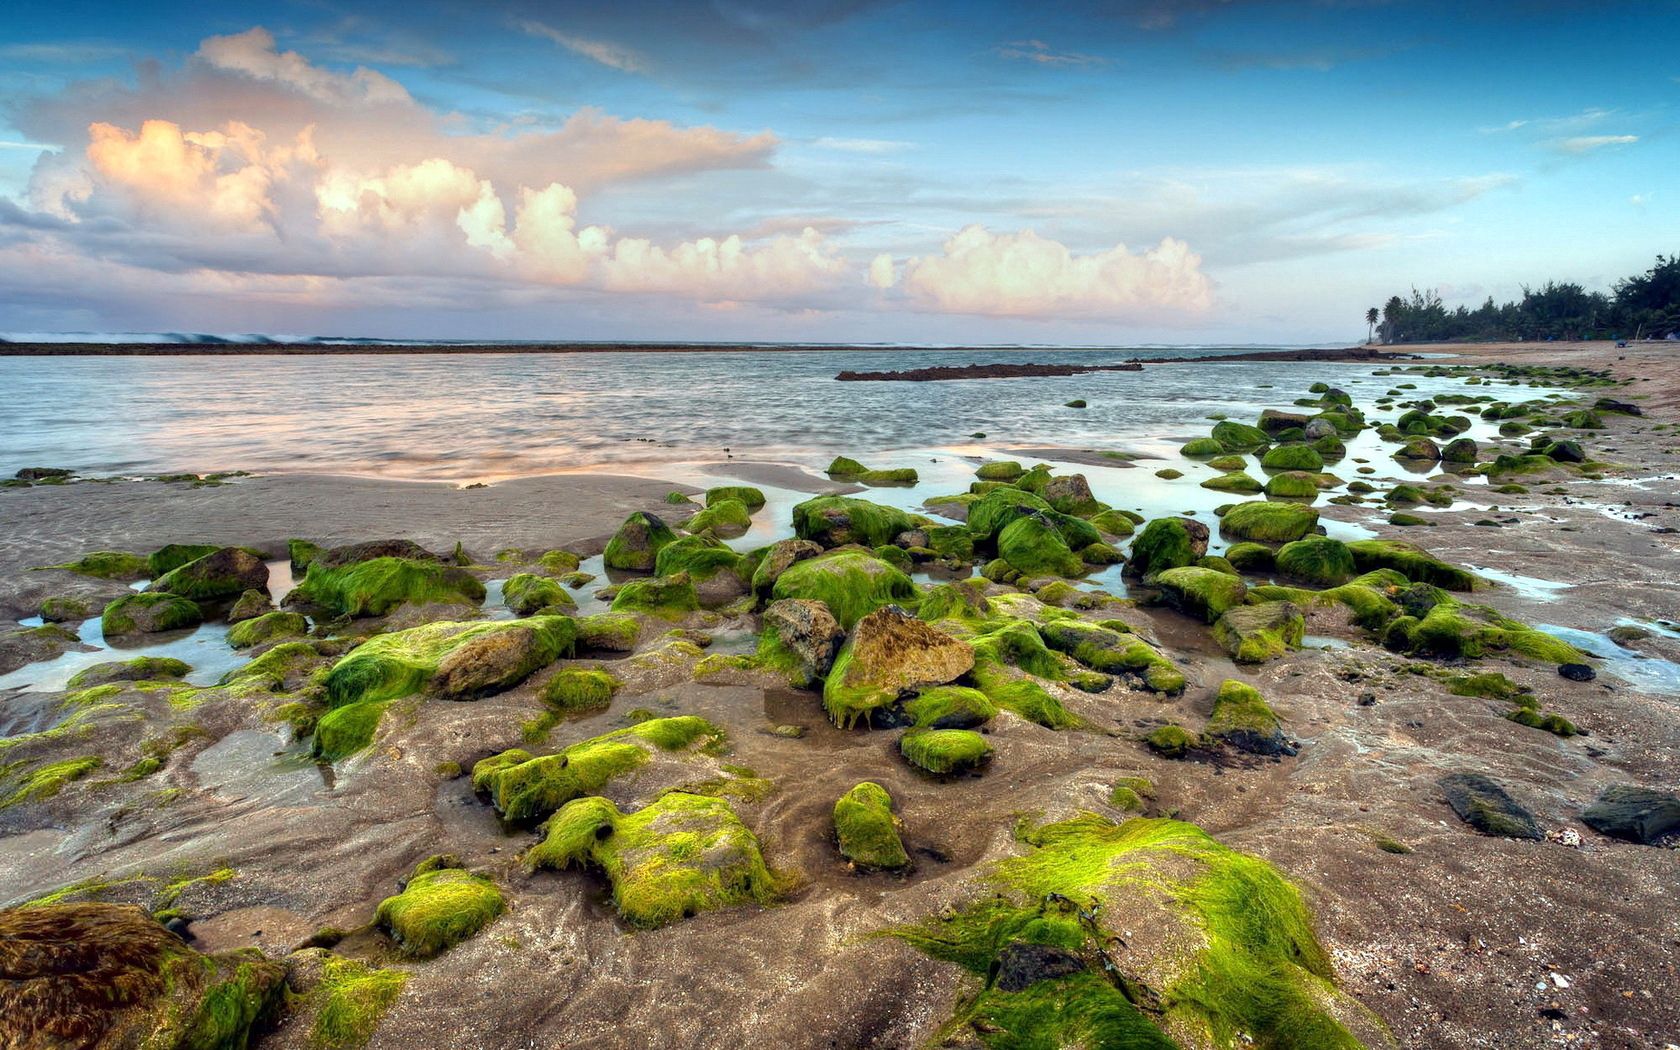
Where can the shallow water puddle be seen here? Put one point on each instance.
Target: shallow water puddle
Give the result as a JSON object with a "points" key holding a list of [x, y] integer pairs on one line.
{"points": [[1531, 588], [257, 765], [1651, 674]]}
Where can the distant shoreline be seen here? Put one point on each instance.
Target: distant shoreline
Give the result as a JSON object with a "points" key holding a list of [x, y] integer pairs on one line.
{"points": [[24, 349]]}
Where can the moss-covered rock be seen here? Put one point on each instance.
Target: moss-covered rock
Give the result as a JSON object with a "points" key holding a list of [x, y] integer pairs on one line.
{"points": [[266, 628], [1412, 562], [376, 586], [1032, 545], [1293, 457], [1248, 556], [1253, 634], [1293, 484], [944, 751], [109, 975], [1114, 523], [851, 583], [1268, 522], [835, 521], [579, 689], [1244, 958], [720, 575], [1204, 593], [1483, 804], [1236, 481], [1242, 718], [149, 613], [847, 469], [1168, 543], [888, 655], [340, 1001], [65, 608], [867, 829], [108, 565], [438, 909], [1202, 447], [139, 669], [667, 597], [302, 553], [1453, 629], [1000, 470], [988, 517], [528, 593], [172, 556], [1171, 741], [776, 559], [1239, 437], [726, 517], [800, 638], [951, 707], [609, 632], [225, 573], [525, 787], [752, 498], [676, 857], [1319, 560], [637, 543]]}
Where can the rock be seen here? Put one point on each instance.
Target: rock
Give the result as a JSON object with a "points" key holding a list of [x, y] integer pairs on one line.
{"points": [[1204, 593], [1269, 522], [942, 751], [1022, 965], [353, 553], [149, 613], [527, 593], [227, 573], [1275, 421], [867, 830], [1071, 494], [1168, 543], [834, 521], [1566, 452], [378, 586], [251, 604], [807, 633], [139, 669], [776, 561], [1032, 545], [41, 473], [1320, 428], [1636, 814], [1293, 457], [852, 583], [1242, 718], [667, 597], [1319, 560], [1253, 634], [106, 976], [498, 660], [1603, 404], [1460, 450], [1577, 672], [439, 907], [890, 653], [267, 627], [1419, 449], [636, 544], [28, 645], [1171, 741], [911, 538], [1481, 803]]}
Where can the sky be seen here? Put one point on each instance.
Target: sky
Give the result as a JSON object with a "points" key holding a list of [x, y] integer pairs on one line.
{"points": [[1081, 173]]}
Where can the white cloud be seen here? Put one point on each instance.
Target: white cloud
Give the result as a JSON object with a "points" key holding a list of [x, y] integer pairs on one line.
{"points": [[1041, 53], [610, 55], [253, 54], [883, 273], [1025, 275], [876, 146], [1588, 143]]}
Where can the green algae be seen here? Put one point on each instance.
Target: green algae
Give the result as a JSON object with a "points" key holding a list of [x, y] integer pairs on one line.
{"points": [[1164, 543], [676, 857], [1196, 591], [847, 469], [349, 1001], [1269, 522], [1293, 457], [148, 612], [108, 565], [637, 543], [725, 517], [1413, 563], [950, 707], [1032, 544], [867, 830], [1318, 560], [438, 909], [377, 586], [748, 496], [667, 597], [527, 593], [266, 628], [944, 751], [834, 521], [851, 583], [43, 781]]}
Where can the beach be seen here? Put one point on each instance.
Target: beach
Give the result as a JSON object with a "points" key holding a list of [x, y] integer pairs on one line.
{"points": [[1435, 935]]}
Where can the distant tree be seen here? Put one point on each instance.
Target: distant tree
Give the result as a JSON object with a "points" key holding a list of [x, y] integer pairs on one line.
{"points": [[1371, 318]]}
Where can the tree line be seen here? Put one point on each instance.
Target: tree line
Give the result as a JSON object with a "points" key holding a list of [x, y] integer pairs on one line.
{"points": [[1644, 306]]}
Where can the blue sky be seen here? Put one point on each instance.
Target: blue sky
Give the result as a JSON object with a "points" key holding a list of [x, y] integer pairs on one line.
{"points": [[1067, 173]]}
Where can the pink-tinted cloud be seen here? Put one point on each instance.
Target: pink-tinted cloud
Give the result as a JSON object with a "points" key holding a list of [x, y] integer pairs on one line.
{"points": [[1025, 275]]}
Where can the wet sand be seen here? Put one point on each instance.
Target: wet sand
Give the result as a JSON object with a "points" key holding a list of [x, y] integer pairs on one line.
{"points": [[1453, 944]]}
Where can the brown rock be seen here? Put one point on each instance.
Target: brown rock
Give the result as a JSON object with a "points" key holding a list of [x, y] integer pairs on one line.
{"points": [[807, 630]]}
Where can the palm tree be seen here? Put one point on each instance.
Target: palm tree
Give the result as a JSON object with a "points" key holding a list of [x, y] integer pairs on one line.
{"points": [[1371, 316]]}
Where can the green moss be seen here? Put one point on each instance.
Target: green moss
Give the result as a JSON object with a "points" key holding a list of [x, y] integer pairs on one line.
{"points": [[172, 556], [1490, 685], [1113, 523], [1319, 560], [852, 584], [439, 909], [64, 609], [1253, 634], [43, 781], [1206, 593], [725, 517], [1170, 741], [1269, 522], [527, 593], [1164, 543], [867, 830], [998, 508], [1000, 470], [750, 497], [272, 668], [108, 565], [266, 628], [1169, 474], [148, 612], [579, 689], [1293, 457], [837, 520], [1239, 437], [1199, 447], [1292, 484], [349, 1001], [1236, 481], [951, 707], [1411, 562], [139, 669], [343, 731], [1241, 717], [681, 855], [943, 751], [390, 666], [1031, 544], [1113, 652], [851, 470], [1250, 557], [302, 553], [1453, 629], [377, 586], [524, 787], [667, 597], [612, 632]]}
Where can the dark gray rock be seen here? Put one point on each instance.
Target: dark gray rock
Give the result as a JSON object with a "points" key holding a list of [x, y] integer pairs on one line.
{"points": [[1636, 814], [1481, 803]]}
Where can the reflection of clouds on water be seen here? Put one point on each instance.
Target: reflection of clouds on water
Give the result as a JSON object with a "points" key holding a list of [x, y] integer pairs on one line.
{"points": [[442, 417]]}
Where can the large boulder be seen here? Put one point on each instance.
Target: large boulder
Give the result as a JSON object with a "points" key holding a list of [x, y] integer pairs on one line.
{"points": [[1268, 522], [1033, 546], [1483, 804], [351, 553], [1318, 560], [227, 573], [501, 659], [1071, 494], [149, 613], [1204, 593], [1276, 421], [802, 637], [636, 544], [1636, 814], [867, 830], [776, 560], [834, 521], [377, 586], [109, 976], [1253, 634], [1168, 543], [852, 583], [889, 654], [1242, 718], [1419, 450]]}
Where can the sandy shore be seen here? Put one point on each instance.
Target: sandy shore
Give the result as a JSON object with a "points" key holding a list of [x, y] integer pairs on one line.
{"points": [[1453, 944]]}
